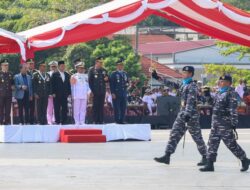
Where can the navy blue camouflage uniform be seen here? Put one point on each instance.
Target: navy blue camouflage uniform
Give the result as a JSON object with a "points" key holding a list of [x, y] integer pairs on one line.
{"points": [[188, 114], [224, 121], [118, 86]]}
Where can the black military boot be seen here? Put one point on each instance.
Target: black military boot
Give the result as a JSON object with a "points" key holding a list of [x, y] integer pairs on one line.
{"points": [[245, 164], [164, 159], [203, 161], [209, 167]]}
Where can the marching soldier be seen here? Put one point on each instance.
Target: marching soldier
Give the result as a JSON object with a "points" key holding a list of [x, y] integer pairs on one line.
{"points": [[31, 70], [98, 77], [41, 90], [50, 108], [79, 91], [224, 123], [118, 87], [187, 119], [6, 86]]}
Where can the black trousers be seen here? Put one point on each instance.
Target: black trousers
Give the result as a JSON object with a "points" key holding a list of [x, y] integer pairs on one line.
{"points": [[61, 109], [32, 111], [98, 108], [42, 104], [5, 107], [23, 107]]}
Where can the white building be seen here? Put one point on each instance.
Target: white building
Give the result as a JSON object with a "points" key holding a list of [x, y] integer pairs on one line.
{"points": [[176, 54]]}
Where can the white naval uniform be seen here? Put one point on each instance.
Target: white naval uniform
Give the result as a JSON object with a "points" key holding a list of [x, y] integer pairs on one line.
{"points": [[50, 108], [79, 92], [150, 103]]}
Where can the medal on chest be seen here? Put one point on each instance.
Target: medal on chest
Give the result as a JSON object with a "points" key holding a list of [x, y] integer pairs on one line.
{"points": [[117, 77]]}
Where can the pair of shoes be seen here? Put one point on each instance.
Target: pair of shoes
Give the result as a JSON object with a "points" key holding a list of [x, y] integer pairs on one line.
{"points": [[209, 167], [245, 164], [164, 159]]}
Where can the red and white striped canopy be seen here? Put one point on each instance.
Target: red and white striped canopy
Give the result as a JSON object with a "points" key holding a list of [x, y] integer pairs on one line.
{"points": [[210, 17]]}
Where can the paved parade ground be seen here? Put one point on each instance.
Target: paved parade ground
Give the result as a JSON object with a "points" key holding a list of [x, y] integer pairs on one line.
{"points": [[118, 166]]}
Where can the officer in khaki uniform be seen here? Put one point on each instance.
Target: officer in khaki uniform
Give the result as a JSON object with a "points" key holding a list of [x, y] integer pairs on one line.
{"points": [[42, 90], [6, 86], [98, 77]]}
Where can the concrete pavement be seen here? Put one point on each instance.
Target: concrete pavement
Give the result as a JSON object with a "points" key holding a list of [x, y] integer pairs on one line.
{"points": [[118, 165]]}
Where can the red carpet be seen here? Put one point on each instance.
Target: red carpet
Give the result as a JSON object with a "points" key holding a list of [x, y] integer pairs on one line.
{"points": [[82, 136]]}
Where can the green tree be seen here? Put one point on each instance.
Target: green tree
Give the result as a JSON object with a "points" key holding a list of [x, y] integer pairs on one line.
{"points": [[229, 48], [215, 71], [241, 4]]}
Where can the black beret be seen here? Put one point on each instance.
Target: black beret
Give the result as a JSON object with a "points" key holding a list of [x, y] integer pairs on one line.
{"points": [[206, 88], [99, 58], [188, 69], [226, 78], [61, 62], [42, 62], [77, 60], [120, 61]]}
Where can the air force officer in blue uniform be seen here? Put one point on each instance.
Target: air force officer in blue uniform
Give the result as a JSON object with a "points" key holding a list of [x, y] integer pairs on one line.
{"points": [[118, 88]]}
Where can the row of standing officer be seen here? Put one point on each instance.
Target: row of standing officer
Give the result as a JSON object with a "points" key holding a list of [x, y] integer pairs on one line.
{"points": [[51, 90], [98, 78]]}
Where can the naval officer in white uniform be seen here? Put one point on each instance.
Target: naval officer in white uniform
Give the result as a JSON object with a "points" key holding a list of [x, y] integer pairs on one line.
{"points": [[50, 109], [79, 91]]}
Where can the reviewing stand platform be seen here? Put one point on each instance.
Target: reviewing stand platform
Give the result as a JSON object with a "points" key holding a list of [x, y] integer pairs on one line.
{"points": [[73, 133]]}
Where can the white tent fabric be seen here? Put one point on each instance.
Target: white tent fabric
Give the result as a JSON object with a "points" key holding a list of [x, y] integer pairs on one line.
{"points": [[223, 22]]}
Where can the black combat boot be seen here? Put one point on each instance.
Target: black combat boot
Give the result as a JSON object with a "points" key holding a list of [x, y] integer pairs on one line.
{"points": [[209, 167], [245, 164], [203, 161], [164, 159]]}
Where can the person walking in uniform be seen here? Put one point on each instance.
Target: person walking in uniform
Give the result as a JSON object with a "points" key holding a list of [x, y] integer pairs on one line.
{"points": [[79, 91], [41, 90], [224, 124], [50, 108], [61, 90], [23, 93], [6, 87], [31, 70], [118, 88], [98, 77], [187, 119]]}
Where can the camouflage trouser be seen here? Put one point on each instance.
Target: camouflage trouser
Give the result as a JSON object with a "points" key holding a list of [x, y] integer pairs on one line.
{"points": [[178, 130], [226, 134]]}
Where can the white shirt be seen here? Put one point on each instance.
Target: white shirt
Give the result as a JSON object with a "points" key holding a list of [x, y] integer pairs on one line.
{"points": [[80, 87], [62, 75], [50, 73], [240, 90], [148, 99]]}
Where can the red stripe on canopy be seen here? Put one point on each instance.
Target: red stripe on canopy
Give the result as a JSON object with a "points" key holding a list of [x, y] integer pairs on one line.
{"points": [[210, 17]]}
